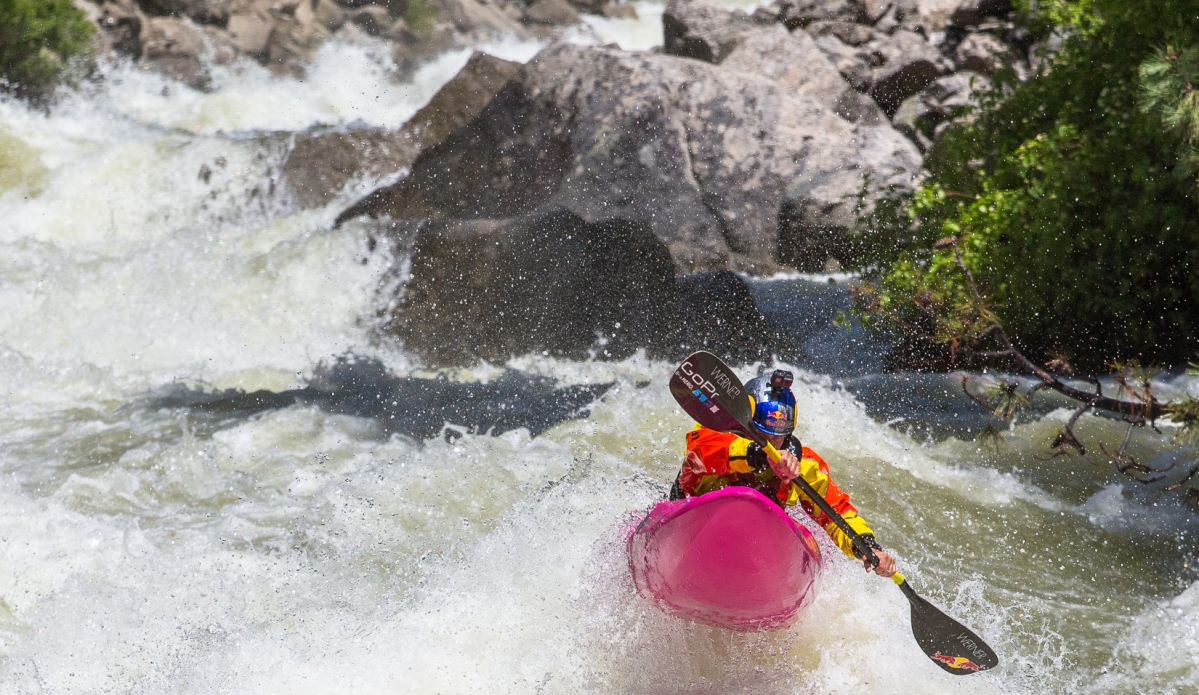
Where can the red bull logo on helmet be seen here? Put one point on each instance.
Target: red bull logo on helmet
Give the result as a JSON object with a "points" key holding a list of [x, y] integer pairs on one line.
{"points": [[775, 418]]}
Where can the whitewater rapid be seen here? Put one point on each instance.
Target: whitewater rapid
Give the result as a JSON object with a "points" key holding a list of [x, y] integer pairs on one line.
{"points": [[154, 549]]}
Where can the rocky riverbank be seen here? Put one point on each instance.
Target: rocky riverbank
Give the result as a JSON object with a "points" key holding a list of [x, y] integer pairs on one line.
{"points": [[748, 142]]}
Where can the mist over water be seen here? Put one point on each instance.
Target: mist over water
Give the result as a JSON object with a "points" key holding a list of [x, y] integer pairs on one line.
{"points": [[151, 546]]}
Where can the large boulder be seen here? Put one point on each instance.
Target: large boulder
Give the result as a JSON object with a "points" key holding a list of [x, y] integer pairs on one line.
{"points": [[320, 165], [553, 282], [706, 157], [795, 62], [694, 29]]}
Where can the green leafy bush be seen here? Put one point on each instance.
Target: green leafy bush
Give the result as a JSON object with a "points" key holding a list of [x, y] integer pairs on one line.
{"points": [[37, 39], [1070, 197]]}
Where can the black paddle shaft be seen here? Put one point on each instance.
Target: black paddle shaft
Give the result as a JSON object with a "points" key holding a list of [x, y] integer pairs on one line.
{"points": [[711, 394]]}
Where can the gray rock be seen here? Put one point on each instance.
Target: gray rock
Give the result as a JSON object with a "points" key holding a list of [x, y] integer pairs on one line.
{"points": [[800, 13], [982, 53], [905, 64], [373, 19], [295, 38], [854, 65], [795, 62], [921, 115], [206, 11], [591, 6], [552, 12], [705, 156], [873, 10], [933, 15], [899, 14], [694, 29], [477, 19], [319, 166], [972, 12], [765, 15], [121, 22], [251, 31], [175, 47], [850, 33], [329, 14], [619, 10], [554, 282], [400, 31]]}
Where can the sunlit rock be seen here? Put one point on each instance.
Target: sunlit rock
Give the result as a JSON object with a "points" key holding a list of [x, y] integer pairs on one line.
{"points": [[552, 12], [706, 157], [795, 62], [320, 165]]}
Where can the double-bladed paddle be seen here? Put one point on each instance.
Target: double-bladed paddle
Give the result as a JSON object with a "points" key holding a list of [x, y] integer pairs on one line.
{"points": [[714, 396]]}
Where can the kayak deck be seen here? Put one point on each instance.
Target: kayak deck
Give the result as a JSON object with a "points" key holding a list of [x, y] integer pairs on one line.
{"points": [[730, 559]]}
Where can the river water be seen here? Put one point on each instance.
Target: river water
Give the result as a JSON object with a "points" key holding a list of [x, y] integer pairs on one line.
{"points": [[152, 542]]}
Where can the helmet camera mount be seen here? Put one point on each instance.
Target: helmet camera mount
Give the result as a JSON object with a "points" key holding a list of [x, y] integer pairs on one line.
{"points": [[780, 381]]}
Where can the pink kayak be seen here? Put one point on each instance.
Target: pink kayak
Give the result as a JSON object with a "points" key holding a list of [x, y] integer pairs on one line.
{"points": [[730, 558]]}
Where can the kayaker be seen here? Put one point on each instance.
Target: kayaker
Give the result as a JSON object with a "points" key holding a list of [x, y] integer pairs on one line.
{"points": [[717, 459]]}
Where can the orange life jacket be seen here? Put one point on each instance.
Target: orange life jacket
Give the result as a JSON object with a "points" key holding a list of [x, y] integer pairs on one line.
{"points": [[717, 459]]}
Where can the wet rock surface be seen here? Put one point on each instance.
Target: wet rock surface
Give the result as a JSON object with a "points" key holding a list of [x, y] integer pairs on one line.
{"points": [[705, 157], [551, 282], [320, 165]]}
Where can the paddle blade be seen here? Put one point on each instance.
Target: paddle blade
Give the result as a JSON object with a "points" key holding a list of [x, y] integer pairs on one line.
{"points": [[711, 394], [946, 641]]}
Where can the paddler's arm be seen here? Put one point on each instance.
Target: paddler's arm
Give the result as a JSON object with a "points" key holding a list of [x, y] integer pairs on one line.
{"points": [[810, 469]]}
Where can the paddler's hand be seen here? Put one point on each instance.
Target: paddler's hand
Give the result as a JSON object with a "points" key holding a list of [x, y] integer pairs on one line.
{"points": [[886, 564], [787, 468]]}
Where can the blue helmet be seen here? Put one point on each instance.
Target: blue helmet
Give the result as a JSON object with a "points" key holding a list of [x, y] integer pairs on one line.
{"points": [[773, 403]]}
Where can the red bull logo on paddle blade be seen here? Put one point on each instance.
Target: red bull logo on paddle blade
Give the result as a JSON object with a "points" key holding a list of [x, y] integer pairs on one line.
{"points": [[958, 662]]}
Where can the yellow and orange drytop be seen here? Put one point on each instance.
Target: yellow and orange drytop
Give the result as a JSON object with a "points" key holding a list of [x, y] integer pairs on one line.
{"points": [[717, 459]]}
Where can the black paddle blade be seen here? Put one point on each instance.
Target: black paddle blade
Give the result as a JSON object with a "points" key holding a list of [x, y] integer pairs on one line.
{"points": [[711, 394], [946, 641]]}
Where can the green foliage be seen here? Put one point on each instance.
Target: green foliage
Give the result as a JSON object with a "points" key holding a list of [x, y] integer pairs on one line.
{"points": [[37, 39], [1168, 83], [1069, 198], [420, 16]]}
